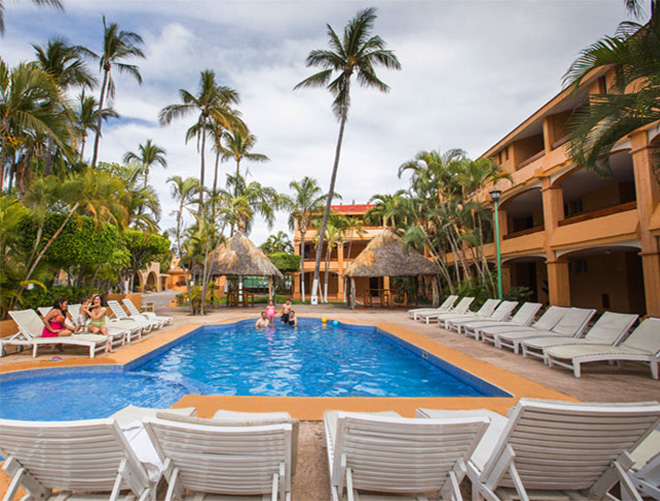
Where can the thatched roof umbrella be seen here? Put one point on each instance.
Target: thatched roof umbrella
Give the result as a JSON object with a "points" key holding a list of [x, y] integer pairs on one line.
{"points": [[385, 256], [239, 256]]}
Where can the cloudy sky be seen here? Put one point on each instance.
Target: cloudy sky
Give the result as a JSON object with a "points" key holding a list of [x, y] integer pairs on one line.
{"points": [[471, 71]]}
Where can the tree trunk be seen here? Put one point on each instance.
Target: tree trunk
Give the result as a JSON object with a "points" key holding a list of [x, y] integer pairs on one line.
{"points": [[97, 138], [201, 174], [352, 302], [331, 191], [302, 263]]}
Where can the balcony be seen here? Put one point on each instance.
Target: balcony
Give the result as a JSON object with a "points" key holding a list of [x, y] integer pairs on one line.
{"points": [[598, 213]]}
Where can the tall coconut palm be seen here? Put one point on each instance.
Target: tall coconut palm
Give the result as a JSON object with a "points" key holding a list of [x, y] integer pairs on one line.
{"points": [[213, 103], [237, 147], [149, 154], [359, 53], [307, 200], [65, 65], [118, 47], [633, 99], [86, 115], [53, 3]]}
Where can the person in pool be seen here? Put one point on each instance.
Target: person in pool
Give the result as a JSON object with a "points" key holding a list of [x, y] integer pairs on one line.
{"points": [[262, 321], [271, 311], [293, 319], [286, 310], [97, 312], [55, 321]]}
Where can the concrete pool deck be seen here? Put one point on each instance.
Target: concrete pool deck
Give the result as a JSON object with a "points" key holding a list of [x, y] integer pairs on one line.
{"points": [[517, 375]]}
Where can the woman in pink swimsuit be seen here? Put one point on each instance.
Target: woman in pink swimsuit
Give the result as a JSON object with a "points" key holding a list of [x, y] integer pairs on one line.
{"points": [[55, 321], [271, 311]]}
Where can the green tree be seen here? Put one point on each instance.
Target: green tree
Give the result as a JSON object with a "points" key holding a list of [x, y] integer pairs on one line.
{"points": [[633, 99], [213, 104], [118, 47], [149, 154], [307, 200], [143, 249], [359, 53], [237, 147], [277, 243], [86, 116]]}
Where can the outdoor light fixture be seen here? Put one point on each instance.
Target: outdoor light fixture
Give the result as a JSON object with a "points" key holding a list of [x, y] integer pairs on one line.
{"points": [[495, 197]]}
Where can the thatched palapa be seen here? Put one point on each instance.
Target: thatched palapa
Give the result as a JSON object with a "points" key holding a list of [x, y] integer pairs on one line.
{"points": [[386, 257], [239, 256]]}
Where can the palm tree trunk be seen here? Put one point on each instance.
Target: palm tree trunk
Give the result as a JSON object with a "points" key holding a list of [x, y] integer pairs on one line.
{"points": [[100, 117], [327, 272], [201, 174], [331, 191], [206, 272], [82, 145], [302, 263], [3, 159]]}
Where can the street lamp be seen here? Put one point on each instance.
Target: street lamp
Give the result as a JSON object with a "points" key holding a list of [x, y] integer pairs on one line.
{"points": [[495, 197]]}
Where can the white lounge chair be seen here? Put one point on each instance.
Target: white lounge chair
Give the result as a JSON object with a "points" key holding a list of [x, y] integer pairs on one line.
{"points": [[580, 450], [548, 320], [462, 306], [118, 335], [523, 318], [30, 328], [447, 305], [224, 457], [645, 473], [609, 329], [484, 312], [142, 321], [150, 315], [642, 345], [78, 458], [500, 314], [396, 456], [572, 324]]}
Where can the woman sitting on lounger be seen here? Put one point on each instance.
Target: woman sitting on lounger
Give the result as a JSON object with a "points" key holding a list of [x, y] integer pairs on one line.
{"points": [[55, 321], [98, 313]]}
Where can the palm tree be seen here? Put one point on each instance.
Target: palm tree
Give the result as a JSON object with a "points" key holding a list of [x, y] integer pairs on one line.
{"points": [[238, 146], [86, 115], [307, 200], [632, 102], [356, 53], [54, 3], [212, 102], [149, 154], [64, 64], [277, 243], [24, 121], [118, 46], [184, 191]]}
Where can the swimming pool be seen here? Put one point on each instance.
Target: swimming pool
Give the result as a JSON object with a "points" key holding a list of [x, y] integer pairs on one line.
{"points": [[316, 359]]}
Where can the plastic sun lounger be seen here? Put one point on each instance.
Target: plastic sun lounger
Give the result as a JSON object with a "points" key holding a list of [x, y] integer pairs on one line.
{"points": [[642, 345], [485, 311], [393, 455], [501, 313], [546, 448], [462, 306], [118, 335], [222, 457], [548, 320], [609, 329], [30, 328], [645, 473], [523, 318], [572, 324], [150, 315], [146, 324], [447, 305], [78, 458]]}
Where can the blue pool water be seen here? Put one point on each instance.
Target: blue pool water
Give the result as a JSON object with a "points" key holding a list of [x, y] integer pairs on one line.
{"points": [[313, 360]]}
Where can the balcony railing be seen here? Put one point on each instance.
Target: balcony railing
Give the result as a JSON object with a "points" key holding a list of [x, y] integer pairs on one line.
{"points": [[531, 159], [528, 231], [599, 213]]}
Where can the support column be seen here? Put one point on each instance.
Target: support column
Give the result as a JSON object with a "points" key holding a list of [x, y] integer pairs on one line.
{"points": [[295, 285], [648, 198], [559, 286]]}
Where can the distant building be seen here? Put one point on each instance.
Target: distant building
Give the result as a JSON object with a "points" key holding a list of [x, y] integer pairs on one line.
{"points": [[573, 237]]}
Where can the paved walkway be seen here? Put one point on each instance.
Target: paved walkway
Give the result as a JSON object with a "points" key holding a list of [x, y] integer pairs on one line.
{"points": [[598, 383]]}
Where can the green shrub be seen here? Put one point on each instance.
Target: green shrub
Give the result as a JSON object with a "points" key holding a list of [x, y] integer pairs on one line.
{"points": [[39, 297]]}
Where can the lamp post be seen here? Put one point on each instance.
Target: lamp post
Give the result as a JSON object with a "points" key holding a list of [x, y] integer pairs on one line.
{"points": [[495, 197]]}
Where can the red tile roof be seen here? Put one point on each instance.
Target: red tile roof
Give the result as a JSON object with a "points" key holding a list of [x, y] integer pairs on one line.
{"points": [[353, 208]]}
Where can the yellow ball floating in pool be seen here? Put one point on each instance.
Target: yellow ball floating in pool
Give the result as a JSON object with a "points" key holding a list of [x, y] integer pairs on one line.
{"points": [[324, 320]]}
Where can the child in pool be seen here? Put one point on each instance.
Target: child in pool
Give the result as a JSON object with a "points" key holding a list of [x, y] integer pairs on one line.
{"points": [[271, 311], [286, 310], [293, 319]]}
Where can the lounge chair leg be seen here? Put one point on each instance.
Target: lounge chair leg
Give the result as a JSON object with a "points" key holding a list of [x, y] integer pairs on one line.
{"points": [[654, 369], [576, 368]]}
